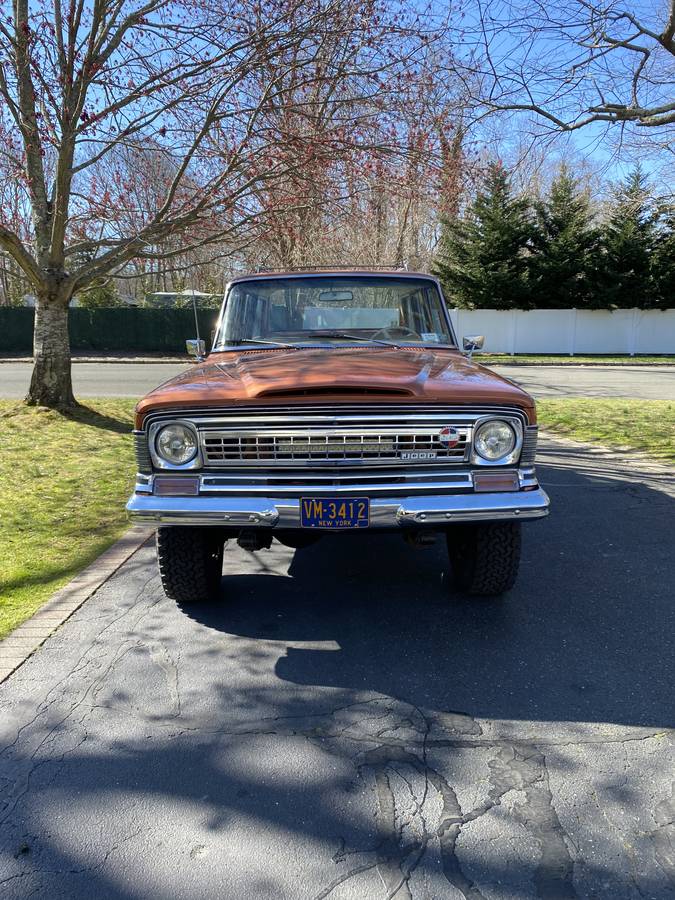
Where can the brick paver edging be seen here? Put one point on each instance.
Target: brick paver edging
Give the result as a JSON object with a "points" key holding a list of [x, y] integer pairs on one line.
{"points": [[18, 646]]}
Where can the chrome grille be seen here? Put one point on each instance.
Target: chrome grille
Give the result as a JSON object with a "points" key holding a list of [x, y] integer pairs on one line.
{"points": [[348, 444], [334, 446], [142, 451], [345, 482], [529, 450]]}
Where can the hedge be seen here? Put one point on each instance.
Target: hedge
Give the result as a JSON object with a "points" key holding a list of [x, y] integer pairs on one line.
{"points": [[115, 330]]}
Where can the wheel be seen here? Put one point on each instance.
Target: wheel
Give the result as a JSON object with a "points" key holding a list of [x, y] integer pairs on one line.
{"points": [[190, 562], [484, 557]]}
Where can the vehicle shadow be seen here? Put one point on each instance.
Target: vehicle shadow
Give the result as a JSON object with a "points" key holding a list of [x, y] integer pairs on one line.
{"points": [[584, 636]]}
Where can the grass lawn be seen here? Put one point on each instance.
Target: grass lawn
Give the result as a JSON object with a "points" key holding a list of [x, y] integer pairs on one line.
{"points": [[487, 359], [646, 425], [63, 485]]}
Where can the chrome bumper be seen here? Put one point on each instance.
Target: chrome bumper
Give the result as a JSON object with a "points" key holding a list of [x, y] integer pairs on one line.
{"points": [[282, 512]]}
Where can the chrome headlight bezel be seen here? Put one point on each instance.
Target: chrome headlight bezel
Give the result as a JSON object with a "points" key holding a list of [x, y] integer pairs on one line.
{"points": [[509, 458], [158, 461]]}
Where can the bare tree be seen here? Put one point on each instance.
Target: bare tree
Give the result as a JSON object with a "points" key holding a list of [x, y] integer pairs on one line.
{"points": [[378, 202], [578, 62], [183, 90]]}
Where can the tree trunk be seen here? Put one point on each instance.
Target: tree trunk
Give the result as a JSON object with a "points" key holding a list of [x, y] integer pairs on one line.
{"points": [[51, 383]]}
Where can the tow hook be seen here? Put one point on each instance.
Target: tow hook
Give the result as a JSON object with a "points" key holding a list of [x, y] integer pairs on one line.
{"points": [[250, 539], [419, 539]]}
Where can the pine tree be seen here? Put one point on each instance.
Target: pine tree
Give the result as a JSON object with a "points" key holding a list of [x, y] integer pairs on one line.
{"points": [[563, 268], [663, 263], [483, 259], [630, 238]]}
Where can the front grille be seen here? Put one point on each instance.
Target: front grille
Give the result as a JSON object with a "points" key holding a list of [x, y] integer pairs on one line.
{"points": [[529, 450], [341, 448], [143, 460], [384, 445]]}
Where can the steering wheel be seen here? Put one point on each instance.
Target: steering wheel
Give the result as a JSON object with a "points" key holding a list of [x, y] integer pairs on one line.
{"points": [[396, 331]]}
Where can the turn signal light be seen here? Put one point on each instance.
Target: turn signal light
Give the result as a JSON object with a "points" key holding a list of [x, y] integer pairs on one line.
{"points": [[491, 482], [176, 485]]}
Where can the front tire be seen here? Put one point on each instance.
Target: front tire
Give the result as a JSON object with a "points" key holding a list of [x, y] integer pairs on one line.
{"points": [[484, 557], [190, 561]]}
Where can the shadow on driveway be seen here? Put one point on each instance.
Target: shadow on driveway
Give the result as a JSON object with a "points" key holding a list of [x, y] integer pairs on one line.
{"points": [[311, 770], [585, 636]]}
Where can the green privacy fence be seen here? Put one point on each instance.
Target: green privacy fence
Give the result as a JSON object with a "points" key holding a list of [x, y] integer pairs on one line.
{"points": [[115, 330]]}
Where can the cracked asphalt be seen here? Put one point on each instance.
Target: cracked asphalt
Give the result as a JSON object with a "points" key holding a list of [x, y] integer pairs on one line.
{"points": [[341, 726]]}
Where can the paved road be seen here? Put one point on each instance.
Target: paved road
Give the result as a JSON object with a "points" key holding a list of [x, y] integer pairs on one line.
{"points": [[135, 379], [655, 383], [341, 728], [95, 379]]}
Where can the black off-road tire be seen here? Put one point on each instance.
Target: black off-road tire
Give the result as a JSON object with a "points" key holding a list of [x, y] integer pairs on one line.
{"points": [[484, 557], [190, 562]]}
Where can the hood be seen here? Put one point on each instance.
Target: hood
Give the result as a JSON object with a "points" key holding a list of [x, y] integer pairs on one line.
{"points": [[349, 374]]}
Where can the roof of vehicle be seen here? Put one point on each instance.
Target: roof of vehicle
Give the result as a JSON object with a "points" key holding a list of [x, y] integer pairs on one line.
{"points": [[334, 270]]}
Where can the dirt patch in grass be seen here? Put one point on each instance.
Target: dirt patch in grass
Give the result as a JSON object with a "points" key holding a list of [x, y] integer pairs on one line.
{"points": [[644, 425], [64, 480]]}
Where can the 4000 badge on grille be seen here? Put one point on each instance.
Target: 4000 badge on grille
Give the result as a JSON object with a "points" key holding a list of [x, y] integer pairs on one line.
{"points": [[327, 512]]}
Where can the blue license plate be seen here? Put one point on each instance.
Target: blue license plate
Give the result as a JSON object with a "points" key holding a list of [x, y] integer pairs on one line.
{"points": [[328, 512]]}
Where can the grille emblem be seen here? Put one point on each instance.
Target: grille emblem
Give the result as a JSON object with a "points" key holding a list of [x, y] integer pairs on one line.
{"points": [[448, 436], [419, 454]]}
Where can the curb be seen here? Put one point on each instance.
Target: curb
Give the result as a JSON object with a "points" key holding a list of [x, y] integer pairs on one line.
{"points": [[185, 360], [31, 634], [579, 365]]}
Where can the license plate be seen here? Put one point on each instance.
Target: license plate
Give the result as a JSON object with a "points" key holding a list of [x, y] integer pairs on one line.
{"points": [[327, 512]]}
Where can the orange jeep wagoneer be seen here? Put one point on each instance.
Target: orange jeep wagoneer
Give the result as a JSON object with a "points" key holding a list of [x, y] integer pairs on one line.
{"points": [[331, 401]]}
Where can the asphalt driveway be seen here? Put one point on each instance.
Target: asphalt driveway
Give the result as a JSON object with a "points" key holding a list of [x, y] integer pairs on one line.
{"points": [[111, 379], [340, 726]]}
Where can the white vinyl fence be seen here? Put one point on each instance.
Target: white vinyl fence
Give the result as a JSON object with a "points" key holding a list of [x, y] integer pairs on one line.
{"points": [[569, 331]]}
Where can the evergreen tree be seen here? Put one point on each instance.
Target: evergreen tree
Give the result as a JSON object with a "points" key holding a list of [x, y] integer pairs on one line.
{"points": [[663, 263], [562, 270], [100, 295], [483, 259], [630, 238]]}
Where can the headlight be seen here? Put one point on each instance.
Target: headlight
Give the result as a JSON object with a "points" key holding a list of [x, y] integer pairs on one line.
{"points": [[494, 439], [176, 444]]}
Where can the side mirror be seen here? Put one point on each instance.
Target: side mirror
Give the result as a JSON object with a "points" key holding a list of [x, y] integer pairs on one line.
{"points": [[473, 342], [196, 348]]}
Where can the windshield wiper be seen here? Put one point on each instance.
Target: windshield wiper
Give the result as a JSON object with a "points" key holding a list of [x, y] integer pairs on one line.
{"points": [[356, 337], [261, 341], [335, 334]]}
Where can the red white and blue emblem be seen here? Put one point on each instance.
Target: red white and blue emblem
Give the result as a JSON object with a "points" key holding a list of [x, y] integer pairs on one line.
{"points": [[448, 436]]}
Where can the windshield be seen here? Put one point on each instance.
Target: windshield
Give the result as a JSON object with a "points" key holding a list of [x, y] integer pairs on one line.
{"points": [[333, 309]]}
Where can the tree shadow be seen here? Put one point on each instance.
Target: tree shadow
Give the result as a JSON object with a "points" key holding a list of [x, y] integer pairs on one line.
{"points": [[326, 824], [85, 415]]}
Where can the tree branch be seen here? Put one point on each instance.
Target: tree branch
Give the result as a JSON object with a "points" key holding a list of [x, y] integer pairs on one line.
{"points": [[13, 244]]}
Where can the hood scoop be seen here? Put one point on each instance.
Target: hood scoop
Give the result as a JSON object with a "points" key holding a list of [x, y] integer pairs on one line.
{"points": [[344, 390]]}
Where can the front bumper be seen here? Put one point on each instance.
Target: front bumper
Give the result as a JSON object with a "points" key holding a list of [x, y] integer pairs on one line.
{"points": [[385, 512]]}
